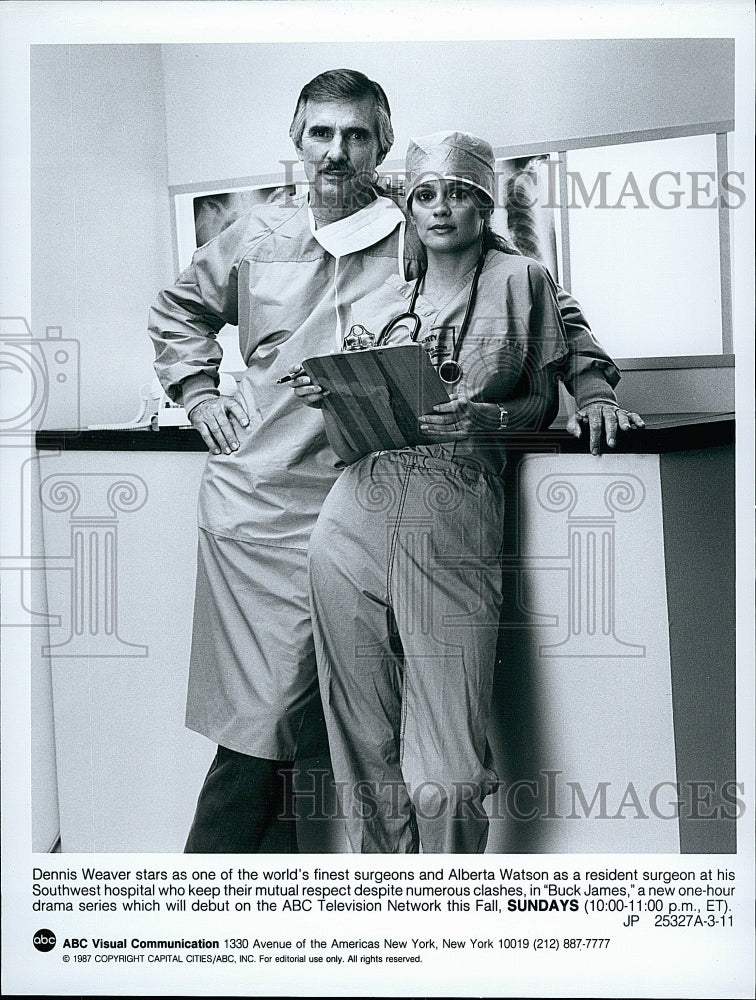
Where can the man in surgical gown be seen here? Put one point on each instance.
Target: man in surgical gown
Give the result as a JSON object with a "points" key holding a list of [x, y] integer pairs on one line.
{"points": [[287, 275]]}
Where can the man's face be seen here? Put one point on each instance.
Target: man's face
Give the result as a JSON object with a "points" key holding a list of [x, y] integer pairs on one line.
{"points": [[339, 152]]}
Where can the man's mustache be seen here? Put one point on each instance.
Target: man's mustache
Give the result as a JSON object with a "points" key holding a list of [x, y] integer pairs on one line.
{"points": [[336, 168]]}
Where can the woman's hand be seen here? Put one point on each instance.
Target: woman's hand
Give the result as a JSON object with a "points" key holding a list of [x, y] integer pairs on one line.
{"points": [[308, 391], [459, 418]]}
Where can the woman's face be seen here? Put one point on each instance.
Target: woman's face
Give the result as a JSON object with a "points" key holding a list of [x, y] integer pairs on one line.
{"points": [[447, 214]]}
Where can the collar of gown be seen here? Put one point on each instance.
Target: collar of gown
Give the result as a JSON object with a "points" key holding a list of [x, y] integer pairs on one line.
{"points": [[360, 230]]}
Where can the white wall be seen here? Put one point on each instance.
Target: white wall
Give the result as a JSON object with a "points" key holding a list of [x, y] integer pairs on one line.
{"points": [[101, 234], [114, 125], [229, 106]]}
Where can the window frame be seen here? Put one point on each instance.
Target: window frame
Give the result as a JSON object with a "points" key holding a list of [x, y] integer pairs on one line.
{"points": [[720, 130]]}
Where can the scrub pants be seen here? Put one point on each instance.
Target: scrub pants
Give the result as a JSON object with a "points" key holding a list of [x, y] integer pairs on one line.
{"points": [[405, 581]]}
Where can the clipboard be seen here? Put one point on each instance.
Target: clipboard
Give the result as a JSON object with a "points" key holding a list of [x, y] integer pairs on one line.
{"points": [[376, 396]]}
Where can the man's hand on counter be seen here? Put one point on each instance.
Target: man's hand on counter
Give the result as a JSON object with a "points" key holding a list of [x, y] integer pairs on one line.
{"points": [[603, 419], [215, 419]]}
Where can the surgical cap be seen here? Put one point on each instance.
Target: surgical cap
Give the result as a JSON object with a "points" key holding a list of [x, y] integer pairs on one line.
{"points": [[451, 156]]}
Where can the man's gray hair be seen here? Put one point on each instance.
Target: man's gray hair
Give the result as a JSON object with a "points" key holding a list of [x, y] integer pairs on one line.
{"points": [[345, 85]]}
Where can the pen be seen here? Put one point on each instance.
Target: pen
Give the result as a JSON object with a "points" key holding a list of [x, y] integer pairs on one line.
{"points": [[287, 378]]}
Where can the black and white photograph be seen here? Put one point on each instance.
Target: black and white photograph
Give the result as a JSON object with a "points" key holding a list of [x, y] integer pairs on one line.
{"points": [[371, 486]]}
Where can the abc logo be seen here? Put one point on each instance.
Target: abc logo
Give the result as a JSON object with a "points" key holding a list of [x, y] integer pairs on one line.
{"points": [[44, 940]]}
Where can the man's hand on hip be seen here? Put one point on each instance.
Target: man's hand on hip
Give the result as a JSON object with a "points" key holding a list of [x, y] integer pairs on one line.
{"points": [[215, 419]]}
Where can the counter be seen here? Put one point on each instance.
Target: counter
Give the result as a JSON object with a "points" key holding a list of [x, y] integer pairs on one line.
{"points": [[664, 432], [614, 690]]}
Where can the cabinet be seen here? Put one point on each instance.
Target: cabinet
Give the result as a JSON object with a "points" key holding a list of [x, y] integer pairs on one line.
{"points": [[606, 693]]}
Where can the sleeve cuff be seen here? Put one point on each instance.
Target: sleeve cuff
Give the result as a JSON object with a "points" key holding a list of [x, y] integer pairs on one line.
{"points": [[591, 387], [197, 388]]}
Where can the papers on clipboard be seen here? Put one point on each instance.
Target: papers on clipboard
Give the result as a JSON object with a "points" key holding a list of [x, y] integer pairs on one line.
{"points": [[376, 396]]}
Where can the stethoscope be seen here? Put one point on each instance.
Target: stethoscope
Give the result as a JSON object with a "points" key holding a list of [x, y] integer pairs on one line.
{"points": [[449, 371]]}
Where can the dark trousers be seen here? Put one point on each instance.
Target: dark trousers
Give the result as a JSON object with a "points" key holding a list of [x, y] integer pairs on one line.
{"points": [[246, 806]]}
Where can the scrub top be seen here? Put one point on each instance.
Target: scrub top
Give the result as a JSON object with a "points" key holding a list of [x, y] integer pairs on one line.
{"points": [[515, 329]]}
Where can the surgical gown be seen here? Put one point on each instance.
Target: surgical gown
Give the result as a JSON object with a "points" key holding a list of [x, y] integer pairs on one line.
{"points": [[252, 677]]}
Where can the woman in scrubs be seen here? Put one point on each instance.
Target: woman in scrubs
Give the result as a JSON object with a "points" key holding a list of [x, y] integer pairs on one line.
{"points": [[406, 583]]}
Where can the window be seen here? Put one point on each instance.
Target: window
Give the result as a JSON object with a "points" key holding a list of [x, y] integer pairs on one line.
{"points": [[637, 231], [644, 250]]}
